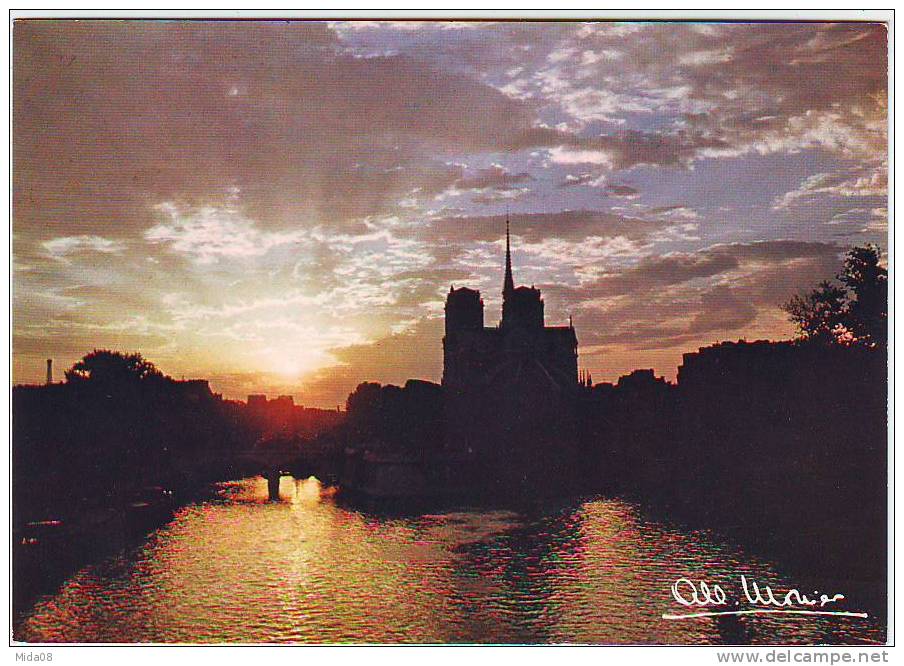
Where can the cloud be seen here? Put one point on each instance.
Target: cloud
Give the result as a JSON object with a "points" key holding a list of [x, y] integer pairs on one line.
{"points": [[626, 191], [59, 248], [675, 211], [534, 227], [494, 177], [208, 234], [175, 111], [659, 271], [722, 309], [582, 179], [873, 183], [708, 89], [490, 185], [678, 300], [413, 354], [728, 90], [495, 196], [622, 149], [599, 181]]}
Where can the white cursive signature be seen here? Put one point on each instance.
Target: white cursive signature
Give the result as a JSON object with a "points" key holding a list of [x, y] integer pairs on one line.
{"points": [[762, 598]]}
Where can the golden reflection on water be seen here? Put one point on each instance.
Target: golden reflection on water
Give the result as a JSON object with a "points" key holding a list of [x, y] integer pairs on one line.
{"points": [[307, 570]]}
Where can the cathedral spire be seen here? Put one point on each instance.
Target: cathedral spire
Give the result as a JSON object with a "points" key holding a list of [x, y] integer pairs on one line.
{"points": [[509, 285]]}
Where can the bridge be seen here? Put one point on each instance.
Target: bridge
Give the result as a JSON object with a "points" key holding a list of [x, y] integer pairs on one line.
{"points": [[271, 462]]}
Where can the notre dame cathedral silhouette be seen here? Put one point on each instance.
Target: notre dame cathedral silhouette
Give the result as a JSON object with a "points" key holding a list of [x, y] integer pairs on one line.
{"points": [[509, 388]]}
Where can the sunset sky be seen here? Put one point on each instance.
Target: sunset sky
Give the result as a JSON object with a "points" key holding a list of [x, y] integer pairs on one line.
{"points": [[281, 207]]}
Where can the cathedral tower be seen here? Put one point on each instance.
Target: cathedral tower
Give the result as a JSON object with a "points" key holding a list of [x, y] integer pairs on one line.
{"points": [[522, 307]]}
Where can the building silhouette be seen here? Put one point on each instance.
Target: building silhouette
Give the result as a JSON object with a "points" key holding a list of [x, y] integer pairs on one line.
{"points": [[521, 346], [506, 386]]}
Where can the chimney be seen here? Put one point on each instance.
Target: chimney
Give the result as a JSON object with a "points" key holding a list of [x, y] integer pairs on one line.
{"points": [[50, 371]]}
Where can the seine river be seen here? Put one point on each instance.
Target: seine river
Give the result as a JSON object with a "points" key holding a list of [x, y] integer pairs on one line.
{"points": [[306, 569]]}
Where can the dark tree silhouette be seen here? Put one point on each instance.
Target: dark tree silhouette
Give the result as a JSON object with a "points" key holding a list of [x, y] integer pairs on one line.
{"points": [[852, 312], [867, 315], [110, 367], [396, 418], [363, 406], [819, 315]]}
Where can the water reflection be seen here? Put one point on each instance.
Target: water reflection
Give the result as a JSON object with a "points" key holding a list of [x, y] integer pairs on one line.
{"points": [[243, 569]]}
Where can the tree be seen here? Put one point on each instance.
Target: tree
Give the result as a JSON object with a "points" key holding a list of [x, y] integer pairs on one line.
{"points": [[364, 408], [867, 316], [854, 312], [103, 366], [819, 315]]}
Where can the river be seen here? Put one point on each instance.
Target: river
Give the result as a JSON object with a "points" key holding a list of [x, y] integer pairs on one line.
{"points": [[308, 569]]}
